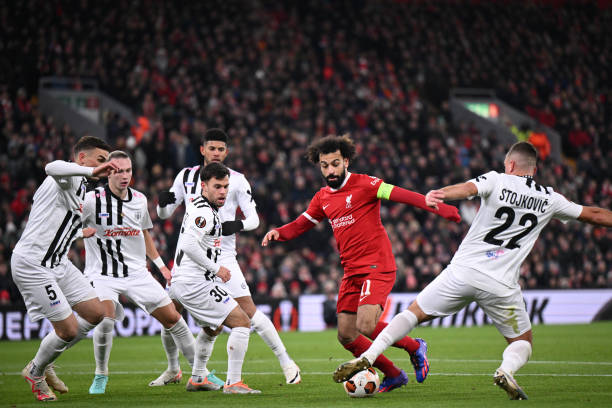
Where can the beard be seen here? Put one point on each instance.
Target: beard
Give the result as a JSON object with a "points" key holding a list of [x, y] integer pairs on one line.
{"points": [[337, 182]]}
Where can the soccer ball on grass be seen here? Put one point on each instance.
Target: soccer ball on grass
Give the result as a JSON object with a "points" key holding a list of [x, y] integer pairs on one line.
{"points": [[363, 384]]}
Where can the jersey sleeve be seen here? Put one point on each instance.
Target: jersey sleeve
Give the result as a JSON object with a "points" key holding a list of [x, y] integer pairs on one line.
{"points": [[314, 212], [145, 217], [65, 173], [485, 183], [565, 210], [178, 188], [245, 196], [199, 223], [375, 188], [88, 209], [247, 204]]}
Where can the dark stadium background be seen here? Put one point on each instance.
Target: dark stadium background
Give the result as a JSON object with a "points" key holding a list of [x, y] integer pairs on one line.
{"points": [[278, 74]]}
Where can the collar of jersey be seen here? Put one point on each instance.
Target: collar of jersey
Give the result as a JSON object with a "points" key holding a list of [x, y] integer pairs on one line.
{"points": [[214, 207], [109, 191], [348, 174]]}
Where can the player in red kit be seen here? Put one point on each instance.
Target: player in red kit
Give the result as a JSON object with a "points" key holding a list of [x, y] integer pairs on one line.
{"points": [[351, 203]]}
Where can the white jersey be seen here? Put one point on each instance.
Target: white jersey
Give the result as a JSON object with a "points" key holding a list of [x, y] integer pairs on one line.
{"points": [[513, 211], [187, 187], [55, 219], [118, 247], [199, 244]]}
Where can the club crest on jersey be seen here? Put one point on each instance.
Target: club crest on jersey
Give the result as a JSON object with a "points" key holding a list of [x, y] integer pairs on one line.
{"points": [[200, 222], [348, 201]]}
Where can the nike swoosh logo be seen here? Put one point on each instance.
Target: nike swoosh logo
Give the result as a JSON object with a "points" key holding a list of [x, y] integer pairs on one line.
{"points": [[362, 298], [325, 206]]}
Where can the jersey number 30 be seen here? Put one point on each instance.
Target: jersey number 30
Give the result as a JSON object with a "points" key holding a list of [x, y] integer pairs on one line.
{"points": [[528, 218]]}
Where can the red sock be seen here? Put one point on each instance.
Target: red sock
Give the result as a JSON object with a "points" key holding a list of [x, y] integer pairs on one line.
{"points": [[361, 344], [407, 343]]}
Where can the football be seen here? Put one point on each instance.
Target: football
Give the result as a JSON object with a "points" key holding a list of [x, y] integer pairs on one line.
{"points": [[363, 384]]}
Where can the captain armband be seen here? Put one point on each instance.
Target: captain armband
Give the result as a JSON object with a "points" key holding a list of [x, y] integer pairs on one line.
{"points": [[384, 191]]}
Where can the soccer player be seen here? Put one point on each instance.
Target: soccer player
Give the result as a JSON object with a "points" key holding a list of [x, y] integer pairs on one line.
{"points": [[351, 202], [514, 210], [116, 264], [186, 188], [50, 284], [199, 283]]}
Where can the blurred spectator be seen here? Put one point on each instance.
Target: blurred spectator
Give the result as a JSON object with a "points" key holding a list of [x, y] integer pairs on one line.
{"points": [[278, 74], [329, 305]]}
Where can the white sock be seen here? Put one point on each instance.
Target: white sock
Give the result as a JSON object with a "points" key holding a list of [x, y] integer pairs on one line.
{"points": [[203, 350], [237, 345], [265, 328], [172, 352], [50, 348], [184, 339], [83, 328], [515, 356], [103, 342], [399, 326]]}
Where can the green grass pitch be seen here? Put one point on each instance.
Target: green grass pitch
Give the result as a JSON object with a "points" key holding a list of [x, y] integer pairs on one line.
{"points": [[570, 366]]}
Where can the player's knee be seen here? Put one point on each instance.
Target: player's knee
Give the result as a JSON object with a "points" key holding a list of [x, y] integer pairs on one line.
{"points": [[173, 318], [366, 326], [93, 316], [96, 316], [345, 338], [244, 321], [211, 332], [246, 304], [67, 333]]}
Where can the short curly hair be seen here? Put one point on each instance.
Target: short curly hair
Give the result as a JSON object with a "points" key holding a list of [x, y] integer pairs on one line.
{"points": [[214, 170], [90, 143], [330, 144]]}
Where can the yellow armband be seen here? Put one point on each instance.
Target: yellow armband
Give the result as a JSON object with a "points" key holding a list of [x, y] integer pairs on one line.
{"points": [[384, 191]]}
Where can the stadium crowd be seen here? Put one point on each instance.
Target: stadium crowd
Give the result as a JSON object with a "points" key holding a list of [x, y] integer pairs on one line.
{"points": [[276, 75]]}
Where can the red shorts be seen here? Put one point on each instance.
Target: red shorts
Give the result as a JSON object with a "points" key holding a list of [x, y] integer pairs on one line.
{"points": [[367, 289]]}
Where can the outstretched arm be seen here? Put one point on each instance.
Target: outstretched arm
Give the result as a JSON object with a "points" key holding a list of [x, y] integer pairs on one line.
{"points": [[596, 216], [401, 195], [60, 168], [250, 222], [170, 200], [289, 231], [455, 192]]}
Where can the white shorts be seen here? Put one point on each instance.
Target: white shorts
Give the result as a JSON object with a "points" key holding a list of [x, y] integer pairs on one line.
{"points": [[207, 302], [50, 293], [447, 294], [139, 287], [237, 285]]}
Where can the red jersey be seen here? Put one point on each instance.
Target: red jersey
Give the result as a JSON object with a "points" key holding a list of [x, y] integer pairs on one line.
{"points": [[353, 211]]}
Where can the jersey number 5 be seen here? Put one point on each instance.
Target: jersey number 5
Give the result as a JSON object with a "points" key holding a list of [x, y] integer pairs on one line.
{"points": [[509, 213], [51, 292]]}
